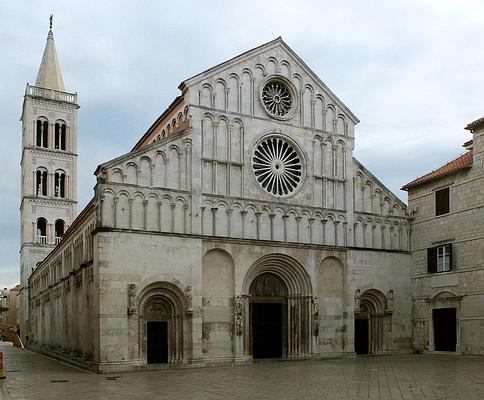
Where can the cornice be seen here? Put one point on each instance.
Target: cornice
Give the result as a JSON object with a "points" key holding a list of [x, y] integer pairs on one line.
{"points": [[39, 151], [48, 201], [52, 104]]}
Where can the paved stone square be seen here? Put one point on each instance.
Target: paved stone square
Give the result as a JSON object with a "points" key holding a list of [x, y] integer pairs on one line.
{"points": [[33, 377]]}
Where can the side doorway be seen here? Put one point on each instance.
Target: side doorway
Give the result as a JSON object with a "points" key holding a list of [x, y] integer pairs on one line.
{"points": [[361, 333], [445, 329], [157, 342]]}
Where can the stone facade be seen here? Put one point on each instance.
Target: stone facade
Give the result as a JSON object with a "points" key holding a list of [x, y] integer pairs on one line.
{"points": [[460, 285], [242, 204]]}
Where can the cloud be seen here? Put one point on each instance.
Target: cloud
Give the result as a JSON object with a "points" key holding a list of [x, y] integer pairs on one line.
{"points": [[410, 70]]}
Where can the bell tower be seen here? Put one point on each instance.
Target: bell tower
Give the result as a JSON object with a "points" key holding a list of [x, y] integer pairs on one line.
{"points": [[49, 168]]}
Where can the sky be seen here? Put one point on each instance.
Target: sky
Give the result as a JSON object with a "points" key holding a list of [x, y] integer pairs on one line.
{"points": [[410, 70]]}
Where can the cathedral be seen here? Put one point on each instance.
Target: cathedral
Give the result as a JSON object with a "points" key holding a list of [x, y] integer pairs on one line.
{"points": [[239, 227]]}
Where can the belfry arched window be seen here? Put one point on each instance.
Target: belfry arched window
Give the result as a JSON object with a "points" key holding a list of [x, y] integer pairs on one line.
{"points": [[41, 231], [60, 136], [41, 183], [59, 230], [42, 133], [60, 184]]}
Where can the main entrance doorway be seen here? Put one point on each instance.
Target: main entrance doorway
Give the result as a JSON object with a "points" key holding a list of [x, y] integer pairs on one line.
{"points": [[267, 330], [268, 309], [445, 329], [361, 335], [157, 342]]}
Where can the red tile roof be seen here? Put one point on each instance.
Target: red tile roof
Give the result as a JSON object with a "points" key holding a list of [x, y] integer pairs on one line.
{"points": [[463, 161]]}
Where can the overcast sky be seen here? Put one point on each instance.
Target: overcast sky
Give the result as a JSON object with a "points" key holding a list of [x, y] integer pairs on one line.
{"points": [[410, 70]]}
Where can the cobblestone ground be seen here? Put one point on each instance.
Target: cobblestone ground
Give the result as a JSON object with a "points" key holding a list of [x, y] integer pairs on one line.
{"points": [[34, 377]]}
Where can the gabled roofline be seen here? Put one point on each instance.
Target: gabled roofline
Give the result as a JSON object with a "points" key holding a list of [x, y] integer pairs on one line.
{"points": [[278, 41], [367, 171], [135, 152], [173, 104], [453, 167], [228, 62]]}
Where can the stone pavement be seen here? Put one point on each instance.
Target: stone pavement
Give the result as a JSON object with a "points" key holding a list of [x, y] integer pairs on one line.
{"points": [[405, 377]]}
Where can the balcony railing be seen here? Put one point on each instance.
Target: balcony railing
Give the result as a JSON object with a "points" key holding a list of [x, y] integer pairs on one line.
{"points": [[51, 94], [57, 240], [42, 239]]}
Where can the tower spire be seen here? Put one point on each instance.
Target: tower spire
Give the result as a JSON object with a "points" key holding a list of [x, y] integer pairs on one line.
{"points": [[50, 75]]}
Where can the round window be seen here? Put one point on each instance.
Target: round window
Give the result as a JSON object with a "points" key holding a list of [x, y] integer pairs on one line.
{"points": [[277, 166], [277, 96]]}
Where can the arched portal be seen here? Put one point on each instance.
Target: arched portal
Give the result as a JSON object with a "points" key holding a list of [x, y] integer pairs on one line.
{"points": [[268, 316], [162, 312], [372, 323], [277, 291]]}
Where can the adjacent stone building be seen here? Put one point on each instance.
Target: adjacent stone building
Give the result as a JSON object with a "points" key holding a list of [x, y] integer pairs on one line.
{"points": [[239, 226], [448, 252]]}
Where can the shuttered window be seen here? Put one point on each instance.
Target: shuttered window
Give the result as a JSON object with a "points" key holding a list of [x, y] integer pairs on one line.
{"points": [[439, 259], [442, 201], [432, 259]]}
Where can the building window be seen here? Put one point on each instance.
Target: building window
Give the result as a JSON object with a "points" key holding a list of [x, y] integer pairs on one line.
{"points": [[60, 136], [41, 231], [439, 259], [59, 230], [42, 133], [60, 184], [41, 184], [442, 201]]}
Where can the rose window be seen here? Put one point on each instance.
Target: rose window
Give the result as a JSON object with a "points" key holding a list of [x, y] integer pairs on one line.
{"points": [[277, 166], [277, 98]]}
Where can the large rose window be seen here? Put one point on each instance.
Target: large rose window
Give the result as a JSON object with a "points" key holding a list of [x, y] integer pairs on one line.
{"points": [[277, 166]]}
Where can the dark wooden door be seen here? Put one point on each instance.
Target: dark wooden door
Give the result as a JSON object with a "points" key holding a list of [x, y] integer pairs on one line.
{"points": [[157, 342], [361, 336], [445, 329], [267, 329]]}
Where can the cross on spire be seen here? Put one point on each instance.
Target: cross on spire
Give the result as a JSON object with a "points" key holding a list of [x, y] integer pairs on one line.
{"points": [[50, 19]]}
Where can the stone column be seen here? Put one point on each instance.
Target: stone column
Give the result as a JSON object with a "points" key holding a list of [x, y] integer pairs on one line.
{"points": [[130, 207], [115, 207], [145, 214], [284, 219], [159, 214], [214, 220]]}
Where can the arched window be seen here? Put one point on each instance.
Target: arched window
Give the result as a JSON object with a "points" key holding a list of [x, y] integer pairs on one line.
{"points": [[59, 230], [41, 183], [41, 231], [60, 184], [60, 136], [42, 133]]}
